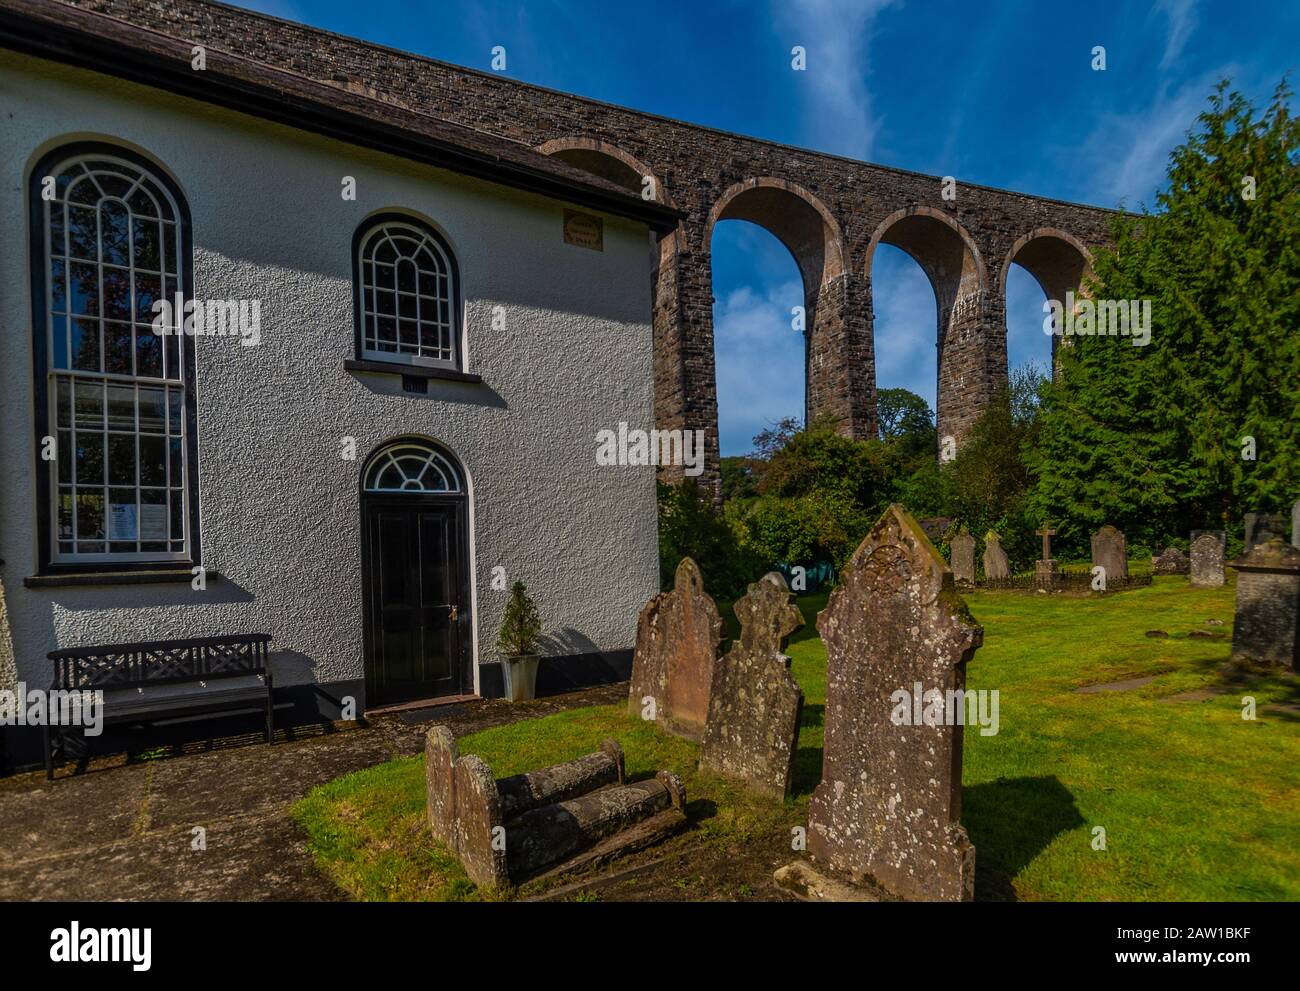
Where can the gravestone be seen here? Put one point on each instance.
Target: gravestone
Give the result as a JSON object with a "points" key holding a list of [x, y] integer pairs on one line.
{"points": [[1170, 561], [555, 819], [677, 640], [1261, 528], [888, 808], [1207, 558], [996, 565], [1266, 626], [1110, 551], [754, 707], [963, 557], [1045, 568], [1295, 527]]}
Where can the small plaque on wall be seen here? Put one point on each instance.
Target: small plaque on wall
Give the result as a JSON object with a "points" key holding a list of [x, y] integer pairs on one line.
{"points": [[584, 230]]}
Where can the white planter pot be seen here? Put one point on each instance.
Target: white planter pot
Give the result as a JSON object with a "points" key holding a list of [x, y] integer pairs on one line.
{"points": [[520, 676]]}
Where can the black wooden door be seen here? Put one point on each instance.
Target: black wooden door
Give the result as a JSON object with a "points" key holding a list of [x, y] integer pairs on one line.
{"points": [[414, 598]]}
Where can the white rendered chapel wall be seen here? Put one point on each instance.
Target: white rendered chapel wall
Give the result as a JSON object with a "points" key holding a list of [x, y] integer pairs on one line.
{"points": [[280, 507]]}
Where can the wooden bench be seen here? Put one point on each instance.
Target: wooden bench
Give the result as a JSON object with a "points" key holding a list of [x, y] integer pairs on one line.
{"points": [[144, 682]]}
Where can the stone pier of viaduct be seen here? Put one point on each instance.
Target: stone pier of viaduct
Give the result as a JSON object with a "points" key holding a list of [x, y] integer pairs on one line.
{"points": [[830, 212]]}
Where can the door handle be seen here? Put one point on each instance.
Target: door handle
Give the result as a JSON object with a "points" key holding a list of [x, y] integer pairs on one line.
{"points": [[455, 611]]}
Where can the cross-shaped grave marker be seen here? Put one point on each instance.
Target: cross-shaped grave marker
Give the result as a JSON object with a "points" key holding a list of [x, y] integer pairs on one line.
{"points": [[1046, 532]]}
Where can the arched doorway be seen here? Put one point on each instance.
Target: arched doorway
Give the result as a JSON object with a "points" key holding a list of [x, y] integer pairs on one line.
{"points": [[414, 574]]}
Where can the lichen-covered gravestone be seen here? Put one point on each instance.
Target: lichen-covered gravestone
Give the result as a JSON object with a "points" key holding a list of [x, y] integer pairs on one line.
{"points": [[754, 710], [1207, 558], [1170, 561], [677, 641], [1110, 551], [996, 565], [888, 809], [1266, 626], [963, 557]]}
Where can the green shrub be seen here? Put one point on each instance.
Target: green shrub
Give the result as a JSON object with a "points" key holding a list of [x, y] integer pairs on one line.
{"points": [[521, 626]]}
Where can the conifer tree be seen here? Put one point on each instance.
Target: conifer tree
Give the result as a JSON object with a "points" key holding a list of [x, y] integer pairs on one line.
{"points": [[1151, 438]]}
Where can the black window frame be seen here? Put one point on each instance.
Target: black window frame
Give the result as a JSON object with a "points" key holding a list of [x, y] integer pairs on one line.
{"points": [[360, 355], [39, 263]]}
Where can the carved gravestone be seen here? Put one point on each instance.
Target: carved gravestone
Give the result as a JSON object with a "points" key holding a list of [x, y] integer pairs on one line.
{"points": [[963, 557], [1207, 558], [676, 648], [1266, 626], [1110, 551], [1170, 561], [754, 709], [996, 566], [888, 809], [1261, 528]]}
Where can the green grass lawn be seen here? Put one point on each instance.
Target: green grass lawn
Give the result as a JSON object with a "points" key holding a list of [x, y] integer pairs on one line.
{"points": [[1196, 802]]}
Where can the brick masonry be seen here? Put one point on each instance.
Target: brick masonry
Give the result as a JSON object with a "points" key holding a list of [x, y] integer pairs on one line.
{"points": [[830, 212]]}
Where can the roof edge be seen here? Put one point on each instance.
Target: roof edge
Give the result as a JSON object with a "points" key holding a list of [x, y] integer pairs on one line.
{"points": [[94, 41]]}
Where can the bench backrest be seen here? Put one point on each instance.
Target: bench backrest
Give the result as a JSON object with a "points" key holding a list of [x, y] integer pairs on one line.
{"points": [[123, 665]]}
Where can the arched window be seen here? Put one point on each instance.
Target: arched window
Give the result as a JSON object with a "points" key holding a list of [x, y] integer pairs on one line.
{"points": [[115, 407], [407, 306], [411, 466]]}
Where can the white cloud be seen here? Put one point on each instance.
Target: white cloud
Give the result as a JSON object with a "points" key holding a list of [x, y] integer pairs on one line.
{"points": [[759, 362], [1128, 154], [836, 35], [906, 324], [1182, 22]]}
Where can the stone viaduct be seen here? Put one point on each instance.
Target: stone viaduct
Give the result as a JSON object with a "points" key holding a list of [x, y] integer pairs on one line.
{"points": [[830, 212]]}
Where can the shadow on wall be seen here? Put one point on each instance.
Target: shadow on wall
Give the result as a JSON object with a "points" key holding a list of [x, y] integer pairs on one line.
{"points": [[34, 624], [219, 591], [292, 667], [462, 393], [570, 660]]}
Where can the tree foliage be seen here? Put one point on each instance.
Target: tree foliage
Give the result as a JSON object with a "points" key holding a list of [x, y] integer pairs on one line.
{"points": [[690, 525], [1151, 438]]}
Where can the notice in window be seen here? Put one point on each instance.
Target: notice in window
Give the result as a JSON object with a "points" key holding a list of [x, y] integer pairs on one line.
{"points": [[584, 230], [153, 522], [121, 521]]}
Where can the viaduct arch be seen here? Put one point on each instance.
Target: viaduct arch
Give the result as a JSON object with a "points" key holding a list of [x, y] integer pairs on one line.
{"points": [[830, 212]]}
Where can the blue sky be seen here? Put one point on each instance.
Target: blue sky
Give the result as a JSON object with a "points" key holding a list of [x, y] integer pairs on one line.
{"points": [[1000, 93]]}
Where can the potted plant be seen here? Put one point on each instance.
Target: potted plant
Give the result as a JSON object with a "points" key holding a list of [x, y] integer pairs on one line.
{"points": [[518, 644]]}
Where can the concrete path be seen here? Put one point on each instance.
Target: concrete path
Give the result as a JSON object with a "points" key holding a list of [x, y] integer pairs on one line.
{"points": [[126, 832]]}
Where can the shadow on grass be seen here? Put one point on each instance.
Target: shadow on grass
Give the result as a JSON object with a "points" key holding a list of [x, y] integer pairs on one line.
{"points": [[809, 606], [1011, 821], [699, 809], [807, 771], [1229, 677]]}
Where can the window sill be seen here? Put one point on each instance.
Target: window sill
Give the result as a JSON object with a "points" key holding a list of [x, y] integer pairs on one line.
{"points": [[412, 371], [174, 576]]}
